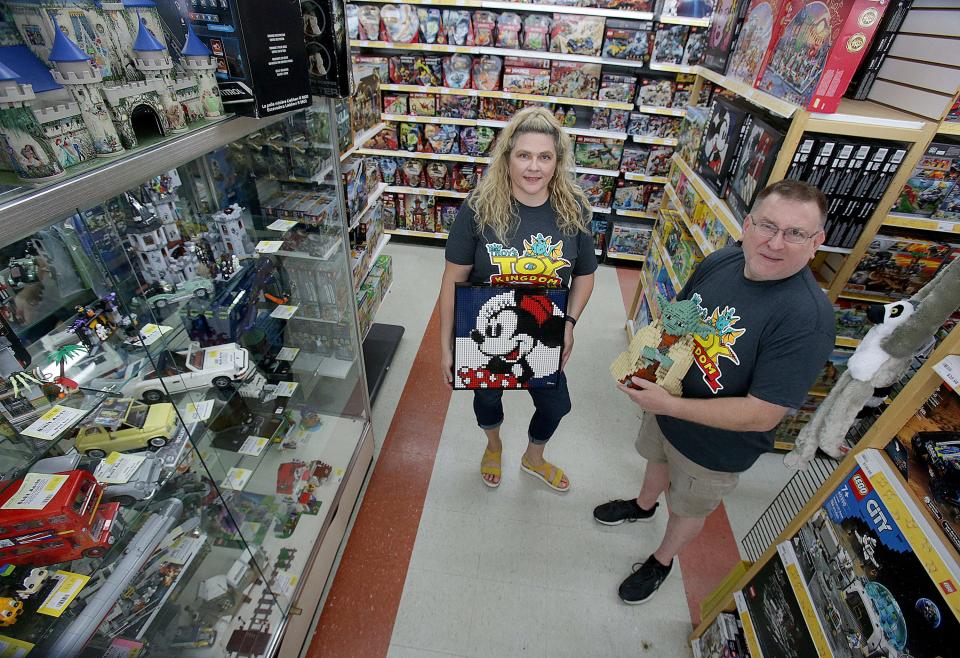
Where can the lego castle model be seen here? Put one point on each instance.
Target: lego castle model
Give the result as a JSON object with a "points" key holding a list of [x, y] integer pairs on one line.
{"points": [[90, 78]]}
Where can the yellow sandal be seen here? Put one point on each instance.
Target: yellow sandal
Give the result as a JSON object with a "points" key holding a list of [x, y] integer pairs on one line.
{"points": [[542, 473], [490, 465]]}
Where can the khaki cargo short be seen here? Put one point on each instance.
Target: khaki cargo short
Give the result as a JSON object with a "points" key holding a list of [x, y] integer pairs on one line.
{"points": [[694, 491]]}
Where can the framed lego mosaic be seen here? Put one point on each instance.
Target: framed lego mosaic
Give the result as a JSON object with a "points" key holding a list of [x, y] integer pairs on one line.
{"points": [[508, 337]]}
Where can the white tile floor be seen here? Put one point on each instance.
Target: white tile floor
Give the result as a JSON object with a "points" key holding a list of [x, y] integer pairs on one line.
{"points": [[521, 570]]}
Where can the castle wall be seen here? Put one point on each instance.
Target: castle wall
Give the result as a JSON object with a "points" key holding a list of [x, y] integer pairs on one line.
{"points": [[26, 145]]}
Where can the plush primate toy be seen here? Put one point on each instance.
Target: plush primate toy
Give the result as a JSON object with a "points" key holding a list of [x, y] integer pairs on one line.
{"points": [[880, 360]]}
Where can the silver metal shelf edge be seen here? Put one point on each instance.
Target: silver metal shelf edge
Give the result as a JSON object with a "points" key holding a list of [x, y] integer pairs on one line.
{"points": [[23, 216]]}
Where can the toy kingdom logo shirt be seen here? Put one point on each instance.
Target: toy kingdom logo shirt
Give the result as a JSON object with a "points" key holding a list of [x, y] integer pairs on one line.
{"points": [[537, 253], [771, 339]]}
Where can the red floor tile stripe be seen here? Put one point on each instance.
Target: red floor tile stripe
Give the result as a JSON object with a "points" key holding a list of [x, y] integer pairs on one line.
{"points": [[711, 556], [361, 608]]}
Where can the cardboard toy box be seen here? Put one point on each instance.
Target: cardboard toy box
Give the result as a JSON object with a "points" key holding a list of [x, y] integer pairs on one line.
{"points": [[259, 50], [574, 80], [817, 51], [759, 31]]}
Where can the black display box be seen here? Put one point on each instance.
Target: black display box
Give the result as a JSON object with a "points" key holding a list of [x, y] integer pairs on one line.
{"points": [[259, 48], [719, 145], [328, 48]]}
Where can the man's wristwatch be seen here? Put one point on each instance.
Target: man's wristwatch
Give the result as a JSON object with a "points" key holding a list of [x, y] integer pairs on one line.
{"points": [[569, 318]]}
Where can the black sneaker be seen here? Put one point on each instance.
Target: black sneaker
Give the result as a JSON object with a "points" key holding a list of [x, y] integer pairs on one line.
{"points": [[617, 511], [644, 581]]}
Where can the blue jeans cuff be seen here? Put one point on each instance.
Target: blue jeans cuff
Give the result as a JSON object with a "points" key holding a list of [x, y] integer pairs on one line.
{"points": [[493, 426]]}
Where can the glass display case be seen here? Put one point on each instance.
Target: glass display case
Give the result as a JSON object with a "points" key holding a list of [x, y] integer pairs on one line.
{"points": [[183, 407]]}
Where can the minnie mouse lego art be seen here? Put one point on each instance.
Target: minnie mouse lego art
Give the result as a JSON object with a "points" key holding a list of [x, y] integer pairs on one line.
{"points": [[508, 338]]}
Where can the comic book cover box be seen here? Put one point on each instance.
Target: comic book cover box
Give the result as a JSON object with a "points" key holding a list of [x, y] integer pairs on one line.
{"points": [[720, 36], [719, 143], [818, 50], [881, 582], [898, 267], [749, 174], [758, 33], [508, 337], [258, 51]]}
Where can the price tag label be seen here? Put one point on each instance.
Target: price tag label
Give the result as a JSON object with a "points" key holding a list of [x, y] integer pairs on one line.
{"points": [[118, 468], [949, 370], [236, 478], [286, 389], [282, 225], [149, 334], [35, 491], [254, 445], [195, 412], [63, 593], [11, 647], [269, 246], [284, 312], [54, 422], [287, 583], [288, 353]]}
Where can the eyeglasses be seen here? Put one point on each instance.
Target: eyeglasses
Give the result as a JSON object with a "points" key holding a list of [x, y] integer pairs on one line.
{"points": [[791, 235]]}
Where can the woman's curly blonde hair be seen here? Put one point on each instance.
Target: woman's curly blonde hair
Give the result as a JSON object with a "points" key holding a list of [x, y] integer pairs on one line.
{"points": [[492, 201]]}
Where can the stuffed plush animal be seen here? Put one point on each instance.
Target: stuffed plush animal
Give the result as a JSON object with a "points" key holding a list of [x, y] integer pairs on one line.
{"points": [[903, 328]]}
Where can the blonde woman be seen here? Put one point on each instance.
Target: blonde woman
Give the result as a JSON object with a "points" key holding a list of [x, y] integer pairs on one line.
{"points": [[526, 195]]}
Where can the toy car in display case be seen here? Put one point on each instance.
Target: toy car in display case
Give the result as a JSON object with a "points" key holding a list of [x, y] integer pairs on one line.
{"points": [[72, 522], [198, 367], [139, 426], [199, 288], [142, 485]]}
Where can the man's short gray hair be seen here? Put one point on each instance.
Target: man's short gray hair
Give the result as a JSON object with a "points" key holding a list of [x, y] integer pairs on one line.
{"points": [[795, 190]]}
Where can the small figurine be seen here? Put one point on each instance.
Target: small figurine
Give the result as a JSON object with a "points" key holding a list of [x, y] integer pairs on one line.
{"points": [[662, 351], [10, 610], [60, 357]]}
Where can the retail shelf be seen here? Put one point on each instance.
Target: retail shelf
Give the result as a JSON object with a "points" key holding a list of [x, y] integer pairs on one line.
{"points": [[922, 223], [650, 139], [865, 297], [453, 157], [361, 139], [597, 172], [419, 47], [402, 189], [672, 68], [371, 202], [586, 132], [665, 257], [540, 8], [416, 234], [684, 20], [947, 128], [834, 250], [437, 3], [416, 118], [718, 206], [642, 214], [384, 239], [705, 247], [844, 341], [656, 109], [772, 103], [109, 177], [602, 211], [500, 52], [638, 258], [643, 178], [482, 93]]}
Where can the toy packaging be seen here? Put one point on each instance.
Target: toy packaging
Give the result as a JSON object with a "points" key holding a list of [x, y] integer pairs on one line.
{"points": [[403, 69], [627, 40], [423, 105], [388, 170], [364, 65], [898, 268], [526, 76], [430, 22], [630, 195], [681, 95], [429, 71], [597, 152], [437, 175], [411, 173], [639, 124], [615, 87], [411, 136], [687, 8], [476, 141], [599, 189], [724, 25], [464, 177], [691, 132], [635, 158], [486, 72], [599, 229], [932, 181], [385, 139], [446, 210], [577, 35], [450, 105], [658, 164], [536, 32], [627, 5], [400, 23], [511, 360], [695, 46], [720, 142], [499, 109], [457, 71], [419, 213], [441, 138], [458, 27], [484, 28], [612, 120], [508, 30], [668, 44], [395, 104], [756, 158], [353, 21], [629, 239], [757, 34], [655, 92], [723, 638], [664, 126], [368, 17], [574, 79], [818, 50]]}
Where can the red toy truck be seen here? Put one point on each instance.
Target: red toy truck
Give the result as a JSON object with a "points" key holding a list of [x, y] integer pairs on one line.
{"points": [[71, 524]]}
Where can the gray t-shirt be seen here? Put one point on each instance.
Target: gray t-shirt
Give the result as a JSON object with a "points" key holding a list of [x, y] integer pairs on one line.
{"points": [[536, 254], [776, 338]]}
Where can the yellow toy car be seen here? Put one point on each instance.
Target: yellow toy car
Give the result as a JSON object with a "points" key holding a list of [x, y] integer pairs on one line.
{"points": [[126, 424]]}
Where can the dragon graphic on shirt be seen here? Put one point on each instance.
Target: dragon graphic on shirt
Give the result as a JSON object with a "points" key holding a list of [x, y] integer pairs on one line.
{"points": [[539, 263], [709, 349]]}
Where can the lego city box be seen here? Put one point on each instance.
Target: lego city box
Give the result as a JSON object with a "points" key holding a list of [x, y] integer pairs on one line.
{"points": [[817, 49], [258, 50]]}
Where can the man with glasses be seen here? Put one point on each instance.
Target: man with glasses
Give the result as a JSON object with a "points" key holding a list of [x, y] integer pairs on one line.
{"points": [[773, 332]]}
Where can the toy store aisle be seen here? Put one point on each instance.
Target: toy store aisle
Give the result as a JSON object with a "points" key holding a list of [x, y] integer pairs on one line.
{"points": [[438, 564]]}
